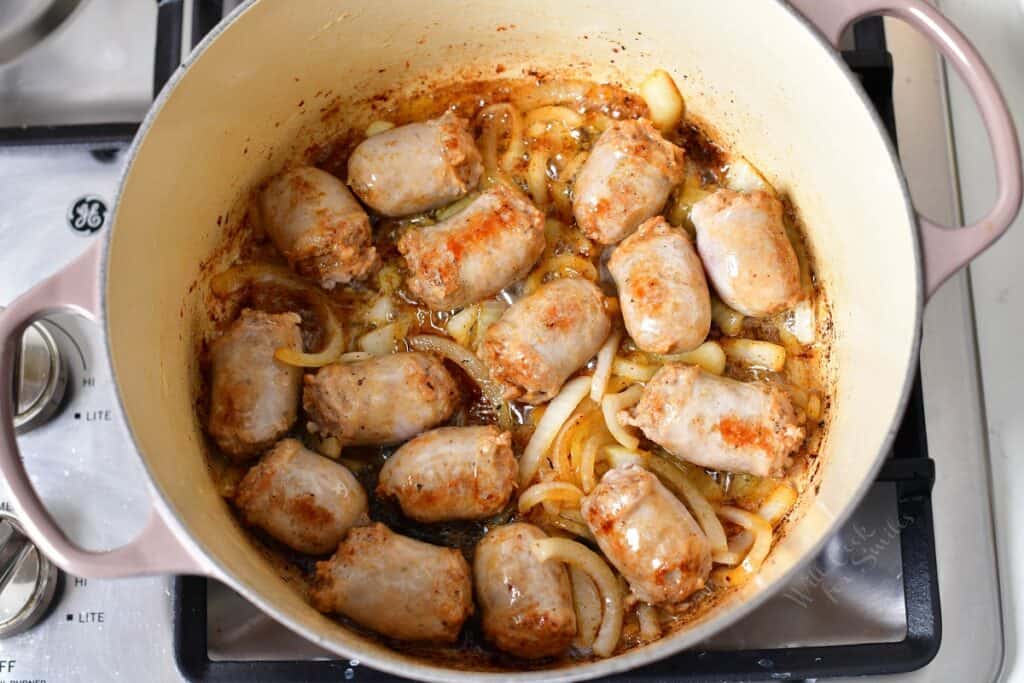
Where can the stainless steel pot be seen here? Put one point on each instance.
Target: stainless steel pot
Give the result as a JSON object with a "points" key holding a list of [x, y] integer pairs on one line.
{"points": [[261, 87]]}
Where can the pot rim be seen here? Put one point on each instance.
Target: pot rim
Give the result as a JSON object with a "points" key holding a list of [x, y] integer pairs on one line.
{"points": [[400, 664]]}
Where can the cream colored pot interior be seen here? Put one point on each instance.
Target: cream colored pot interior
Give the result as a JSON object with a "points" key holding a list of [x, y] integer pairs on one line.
{"points": [[254, 98]]}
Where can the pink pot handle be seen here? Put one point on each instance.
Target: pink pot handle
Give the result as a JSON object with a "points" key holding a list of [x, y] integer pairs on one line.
{"points": [[945, 249], [155, 550]]}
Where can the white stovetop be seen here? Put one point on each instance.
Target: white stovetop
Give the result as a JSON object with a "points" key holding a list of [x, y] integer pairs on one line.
{"points": [[997, 288], [970, 422], [993, 291]]}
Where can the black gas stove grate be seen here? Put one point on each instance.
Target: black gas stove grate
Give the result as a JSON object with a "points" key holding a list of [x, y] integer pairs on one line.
{"points": [[910, 469]]}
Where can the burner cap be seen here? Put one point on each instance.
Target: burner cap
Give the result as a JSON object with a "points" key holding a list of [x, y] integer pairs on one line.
{"points": [[25, 23]]}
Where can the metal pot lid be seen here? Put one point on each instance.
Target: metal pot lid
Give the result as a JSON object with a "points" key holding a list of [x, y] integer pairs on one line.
{"points": [[26, 23]]}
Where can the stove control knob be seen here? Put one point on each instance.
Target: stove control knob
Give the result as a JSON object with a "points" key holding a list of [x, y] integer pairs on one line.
{"points": [[41, 379], [28, 581]]}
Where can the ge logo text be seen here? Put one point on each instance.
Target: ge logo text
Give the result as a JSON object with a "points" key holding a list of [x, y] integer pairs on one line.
{"points": [[87, 215]]}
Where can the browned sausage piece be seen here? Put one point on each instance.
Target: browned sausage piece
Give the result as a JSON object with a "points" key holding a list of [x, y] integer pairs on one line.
{"points": [[318, 226], [526, 605], [452, 473], [545, 337], [743, 244], [382, 400], [397, 586], [477, 252], [662, 291], [626, 179], [416, 167], [648, 534], [301, 498], [717, 422], [254, 399]]}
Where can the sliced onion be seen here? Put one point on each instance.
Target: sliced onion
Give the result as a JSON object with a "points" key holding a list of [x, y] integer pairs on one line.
{"points": [[638, 372], [762, 532], [618, 456], [381, 311], [742, 176], [611, 405], [455, 207], [778, 503], [755, 353], [730, 322], [603, 369], [553, 113], [506, 117], [378, 127], [588, 477], [560, 454], [663, 99], [490, 312], [813, 406], [583, 558], [650, 624], [800, 322], [329, 447], [558, 411], [554, 491], [460, 326], [382, 341], [491, 390], [709, 356], [354, 356], [562, 265], [537, 177], [738, 547], [550, 92], [674, 479], [571, 526], [587, 603], [239, 277]]}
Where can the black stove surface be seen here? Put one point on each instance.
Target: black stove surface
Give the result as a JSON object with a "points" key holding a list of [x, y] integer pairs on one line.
{"points": [[910, 471]]}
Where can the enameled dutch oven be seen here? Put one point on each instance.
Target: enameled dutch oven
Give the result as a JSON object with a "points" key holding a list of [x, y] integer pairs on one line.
{"points": [[764, 73]]}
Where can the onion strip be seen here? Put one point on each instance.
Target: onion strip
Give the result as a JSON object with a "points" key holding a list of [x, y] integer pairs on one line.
{"points": [[762, 532], [559, 455], [611, 405], [738, 547], [674, 479], [778, 504], [573, 527], [354, 356], [555, 491], [461, 356], [650, 625], [552, 113], [730, 322], [618, 456], [557, 412], [709, 356], [755, 353], [532, 96], [588, 478], [561, 265], [537, 177], [239, 277], [579, 556], [603, 369], [638, 372], [587, 603]]}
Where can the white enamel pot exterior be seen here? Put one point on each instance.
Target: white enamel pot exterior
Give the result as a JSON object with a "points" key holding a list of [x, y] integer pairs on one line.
{"points": [[759, 71]]}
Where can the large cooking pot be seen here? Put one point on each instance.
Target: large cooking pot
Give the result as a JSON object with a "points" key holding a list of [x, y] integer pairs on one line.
{"points": [[252, 94]]}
